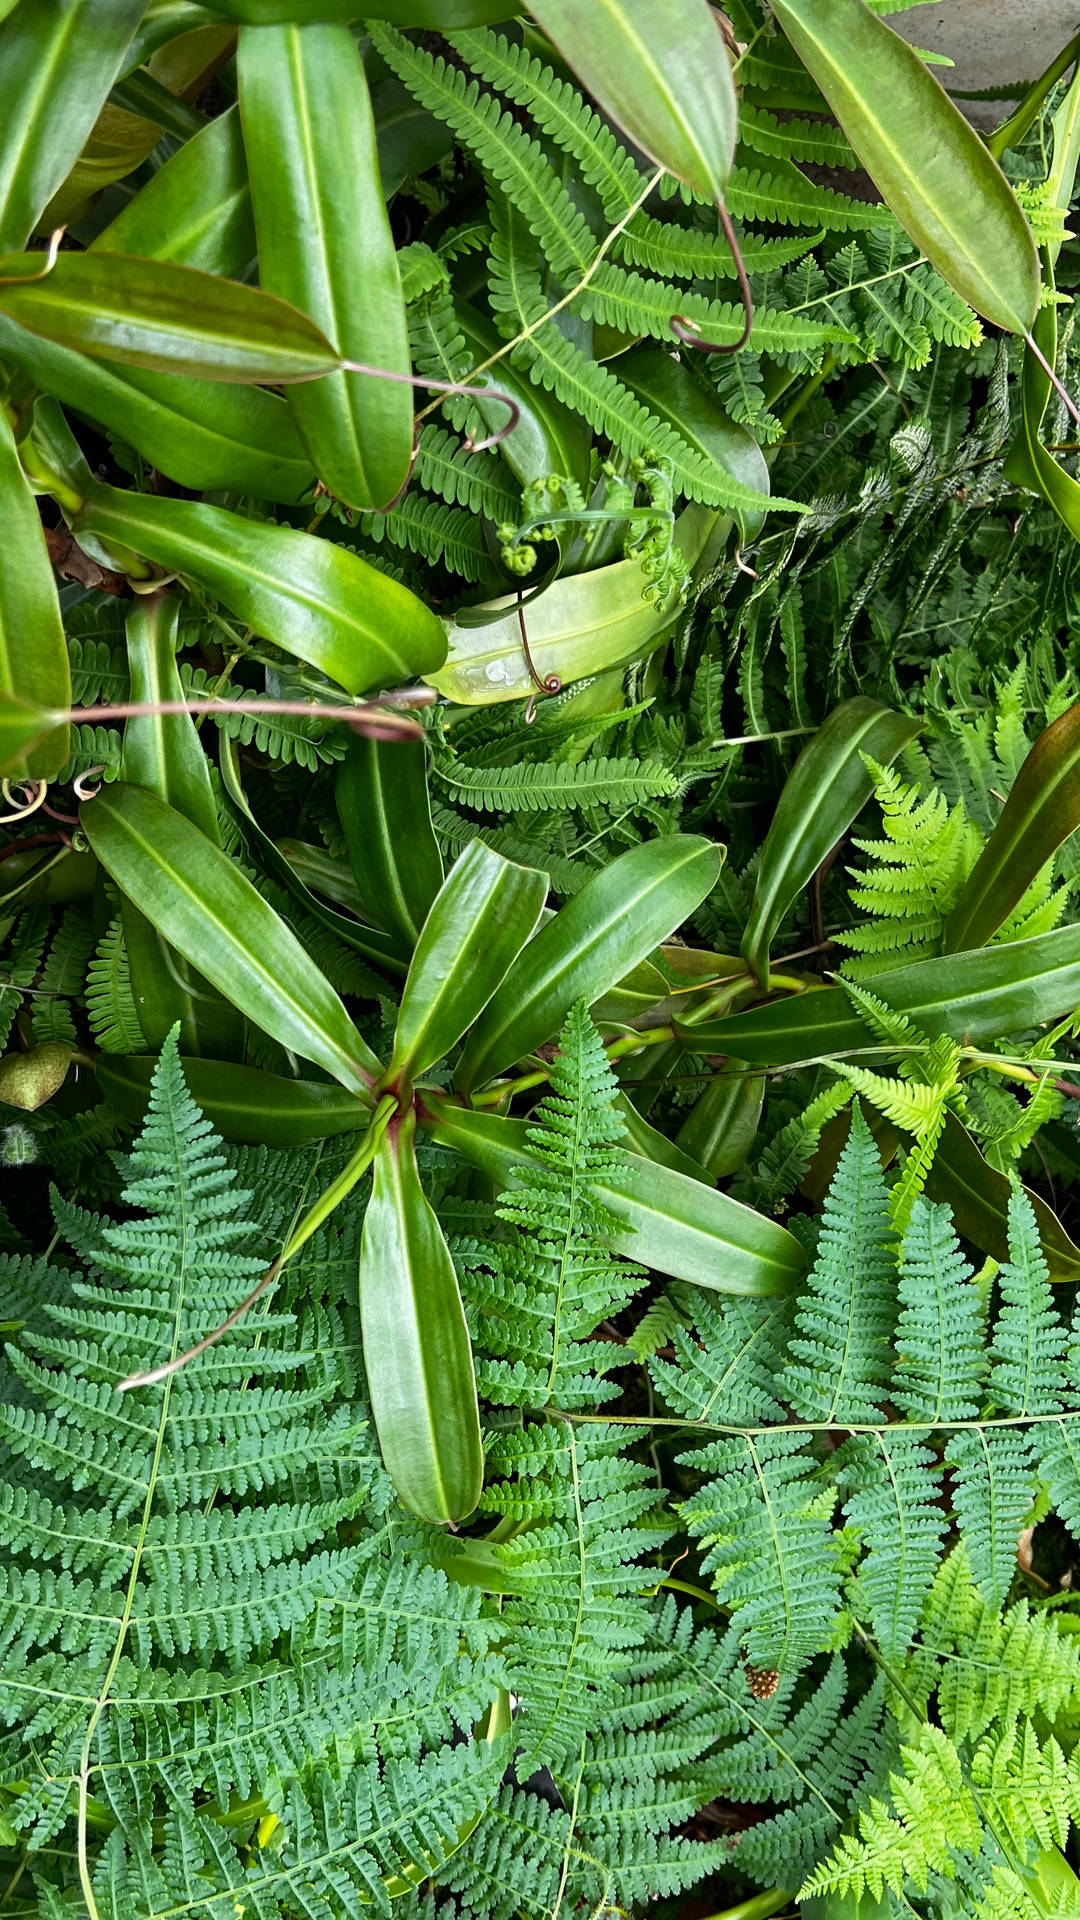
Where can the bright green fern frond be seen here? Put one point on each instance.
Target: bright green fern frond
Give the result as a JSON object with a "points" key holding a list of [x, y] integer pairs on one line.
{"points": [[993, 1488], [838, 1369], [763, 1525], [1027, 1374], [940, 1360], [893, 1487], [436, 532], [986, 1667], [795, 139], [914, 877]]}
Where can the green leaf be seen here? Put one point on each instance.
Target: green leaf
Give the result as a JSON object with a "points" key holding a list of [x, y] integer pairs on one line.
{"points": [[241, 1103], [416, 1343], [312, 597], [616, 920], [660, 69], [668, 1221], [721, 1129], [203, 905], [828, 785], [974, 996], [583, 624], [21, 728], [1042, 810], [385, 812], [34, 676], [59, 59], [200, 433], [150, 313], [163, 755], [670, 391], [926, 161], [479, 922], [323, 233], [195, 210], [979, 1198]]}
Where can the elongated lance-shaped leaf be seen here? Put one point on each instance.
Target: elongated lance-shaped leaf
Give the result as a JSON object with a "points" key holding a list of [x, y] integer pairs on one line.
{"points": [[1040, 813], [195, 210], [828, 785], [312, 597], [58, 58], [203, 905], [164, 755], [617, 919], [667, 1220], [974, 996], [150, 313], [324, 233], [926, 161], [385, 813], [479, 922], [660, 68], [34, 676], [241, 1103], [416, 1343]]}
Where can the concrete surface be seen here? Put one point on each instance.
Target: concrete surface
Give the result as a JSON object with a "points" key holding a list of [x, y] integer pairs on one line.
{"points": [[993, 42]]}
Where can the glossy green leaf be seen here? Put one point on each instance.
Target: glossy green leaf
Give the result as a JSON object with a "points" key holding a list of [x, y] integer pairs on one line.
{"points": [[241, 1103], [58, 59], [979, 1198], [480, 921], [150, 313], [323, 233], [162, 21], [195, 210], [677, 1225], [1041, 812], [164, 755], [670, 391], [617, 919], [581, 625], [721, 1127], [22, 728], [974, 996], [828, 785], [661, 69], [34, 673], [370, 942], [926, 161], [200, 433], [650, 1144], [203, 905], [314, 598], [416, 1343], [385, 812]]}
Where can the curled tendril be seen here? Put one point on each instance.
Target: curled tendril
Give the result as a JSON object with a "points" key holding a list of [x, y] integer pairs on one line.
{"points": [[552, 684], [447, 387], [24, 797], [685, 330], [79, 785]]}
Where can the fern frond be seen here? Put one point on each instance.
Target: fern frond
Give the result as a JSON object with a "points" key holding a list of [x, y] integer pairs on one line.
{"points": [[546, 785], [690, 253], [819, 141], [476, 481], [893, 1487], [986, 1668], [1027, 1373], [763, 1526], [940, 1360], [781, 194], [62, 979], [914, 877], [993, 1488], [838, 1365], [436, 532], [20, 963], [725, 1369], [110, 1001]]}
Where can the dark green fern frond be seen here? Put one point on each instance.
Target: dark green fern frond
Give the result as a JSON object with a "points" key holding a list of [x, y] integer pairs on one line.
{"points": [[726, 1365], [839, 1363], [893, 1487], [993, 1486], [110, 1001], [940, 1361], [476, 481], [1026, 1374], [545, 786], [436, 532], [538, 1295]]}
